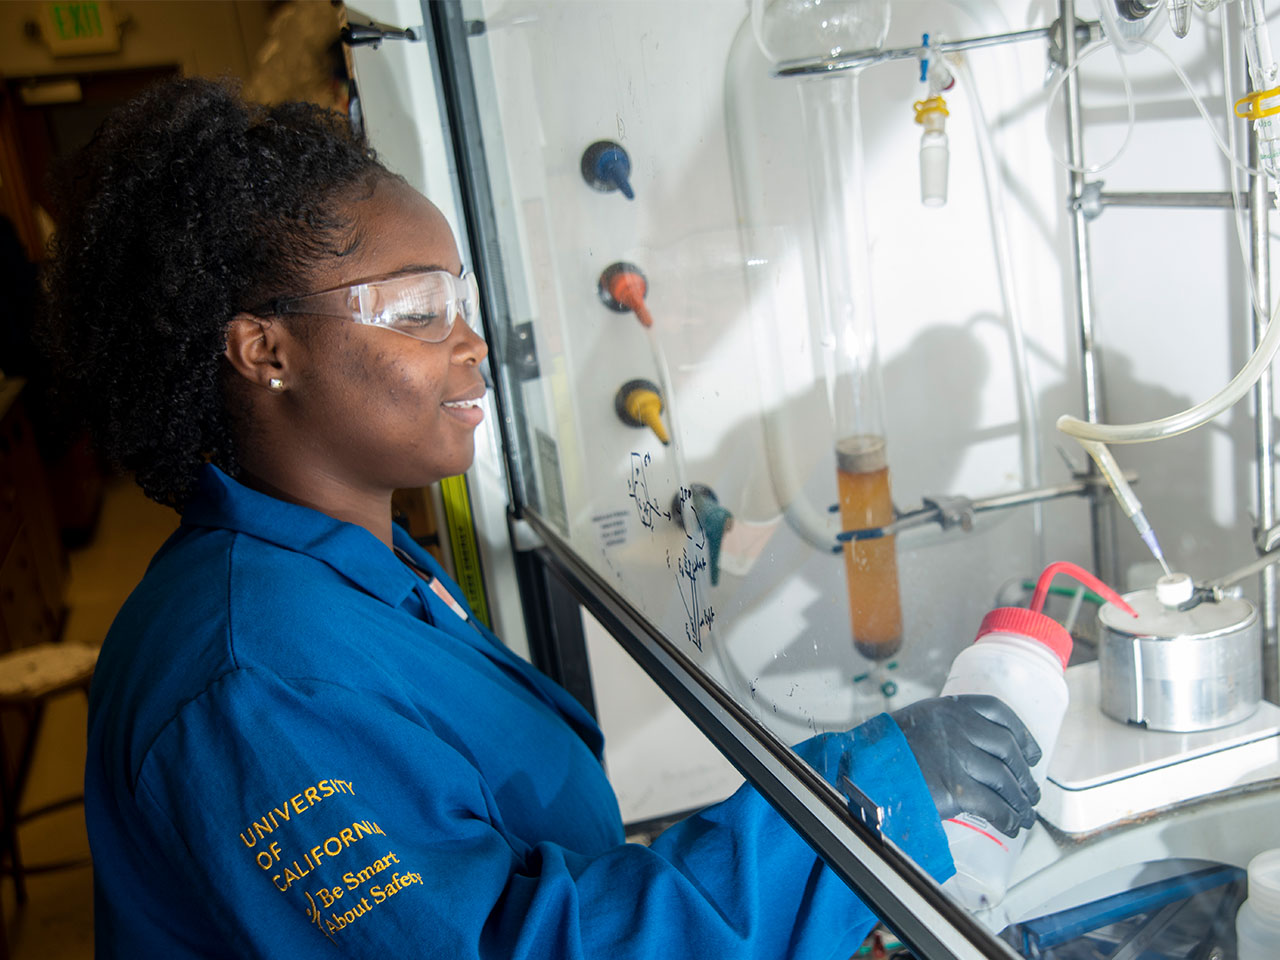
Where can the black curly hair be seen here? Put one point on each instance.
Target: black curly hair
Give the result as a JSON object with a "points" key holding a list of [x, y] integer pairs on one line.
{"points": [[188, 205]]}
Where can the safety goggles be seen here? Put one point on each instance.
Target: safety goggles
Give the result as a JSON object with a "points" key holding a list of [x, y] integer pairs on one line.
{"points": [[419, 305]]}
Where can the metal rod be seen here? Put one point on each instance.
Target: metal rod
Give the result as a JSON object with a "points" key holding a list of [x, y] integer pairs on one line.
{"points": [[1000, 501], [1101, 518], [1167, 199], [1264, 434], [1248, 570], [1019, 497], [865, 58]]}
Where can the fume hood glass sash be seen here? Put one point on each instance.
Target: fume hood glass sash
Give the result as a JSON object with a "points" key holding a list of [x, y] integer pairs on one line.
{"points": [[884, 877]]}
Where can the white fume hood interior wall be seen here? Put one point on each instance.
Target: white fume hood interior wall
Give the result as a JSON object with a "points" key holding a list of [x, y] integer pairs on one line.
{"points": [[1170, 322]]}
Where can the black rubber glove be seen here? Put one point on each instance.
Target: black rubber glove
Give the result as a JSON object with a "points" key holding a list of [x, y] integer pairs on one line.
{"points": [[976, 757]]}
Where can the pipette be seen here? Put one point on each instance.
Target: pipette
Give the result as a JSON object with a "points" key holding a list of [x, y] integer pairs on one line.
{"points": [[1129, 502]]}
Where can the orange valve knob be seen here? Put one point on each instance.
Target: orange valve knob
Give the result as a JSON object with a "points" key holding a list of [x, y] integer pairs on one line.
{"points": [[622, 288], [638, 403]]}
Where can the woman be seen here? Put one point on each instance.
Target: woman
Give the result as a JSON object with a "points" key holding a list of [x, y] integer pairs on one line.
{"points": [[301, 742]]}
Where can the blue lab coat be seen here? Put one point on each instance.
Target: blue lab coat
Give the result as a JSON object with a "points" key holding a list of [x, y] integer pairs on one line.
{"points": [[296, 749]]}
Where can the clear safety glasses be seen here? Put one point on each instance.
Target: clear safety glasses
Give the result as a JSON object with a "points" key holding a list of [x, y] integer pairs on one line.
{"points": [[419, 305]]}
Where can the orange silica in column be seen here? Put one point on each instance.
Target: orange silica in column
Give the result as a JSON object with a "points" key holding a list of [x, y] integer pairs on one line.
{"points": [[871, 565]]}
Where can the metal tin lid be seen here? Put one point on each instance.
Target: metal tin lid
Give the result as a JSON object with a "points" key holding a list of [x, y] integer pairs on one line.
{"points": [[1157, 621]]}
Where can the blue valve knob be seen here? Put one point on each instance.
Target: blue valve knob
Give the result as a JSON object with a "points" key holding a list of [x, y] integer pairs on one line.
{"points": [[716, 520], [606, 167]]}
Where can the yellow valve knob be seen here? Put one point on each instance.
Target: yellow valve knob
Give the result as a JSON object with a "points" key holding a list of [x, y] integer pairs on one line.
{"points": [[639, 404], [925, 109], [646, 406]]}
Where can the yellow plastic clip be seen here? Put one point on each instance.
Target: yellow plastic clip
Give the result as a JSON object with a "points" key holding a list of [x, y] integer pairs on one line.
{"points": [[932, 105], [1255, 106]]}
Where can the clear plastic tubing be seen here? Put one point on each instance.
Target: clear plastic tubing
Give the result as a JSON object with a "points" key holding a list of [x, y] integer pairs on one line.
{"points": [[1032, 472], [668, 393], [847, 339], [1190, 418]]}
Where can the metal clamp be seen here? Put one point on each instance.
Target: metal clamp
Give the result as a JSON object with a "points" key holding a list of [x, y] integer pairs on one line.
{"points": [[372, 34], [1089, 202], [1087, 32], [946, 511], [522, 352], [1266, 540], [952, 511]]}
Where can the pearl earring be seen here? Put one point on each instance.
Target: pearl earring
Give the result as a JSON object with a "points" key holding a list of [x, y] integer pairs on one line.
{"points": [[276, 384]]}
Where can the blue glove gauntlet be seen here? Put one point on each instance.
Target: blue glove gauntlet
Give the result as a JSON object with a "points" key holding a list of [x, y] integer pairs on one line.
{"points": [[976, 757]]}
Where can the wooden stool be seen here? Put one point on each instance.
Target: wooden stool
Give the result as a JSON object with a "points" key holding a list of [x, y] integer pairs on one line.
{"points": [[29, 677]]}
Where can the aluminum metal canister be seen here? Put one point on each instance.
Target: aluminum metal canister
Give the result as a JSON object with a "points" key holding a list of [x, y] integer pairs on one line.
{"points": [[1180, 667]]}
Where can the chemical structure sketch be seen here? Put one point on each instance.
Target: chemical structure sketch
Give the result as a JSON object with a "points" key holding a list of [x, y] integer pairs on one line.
{"points": [[689, 570], [689, 566], [648, 509]]}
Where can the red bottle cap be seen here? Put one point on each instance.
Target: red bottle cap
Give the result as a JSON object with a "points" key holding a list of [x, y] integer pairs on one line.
{"points": [[1028, 623]]}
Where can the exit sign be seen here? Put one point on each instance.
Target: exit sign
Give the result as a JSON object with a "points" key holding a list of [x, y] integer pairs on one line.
{"points": [[72, 28]]}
